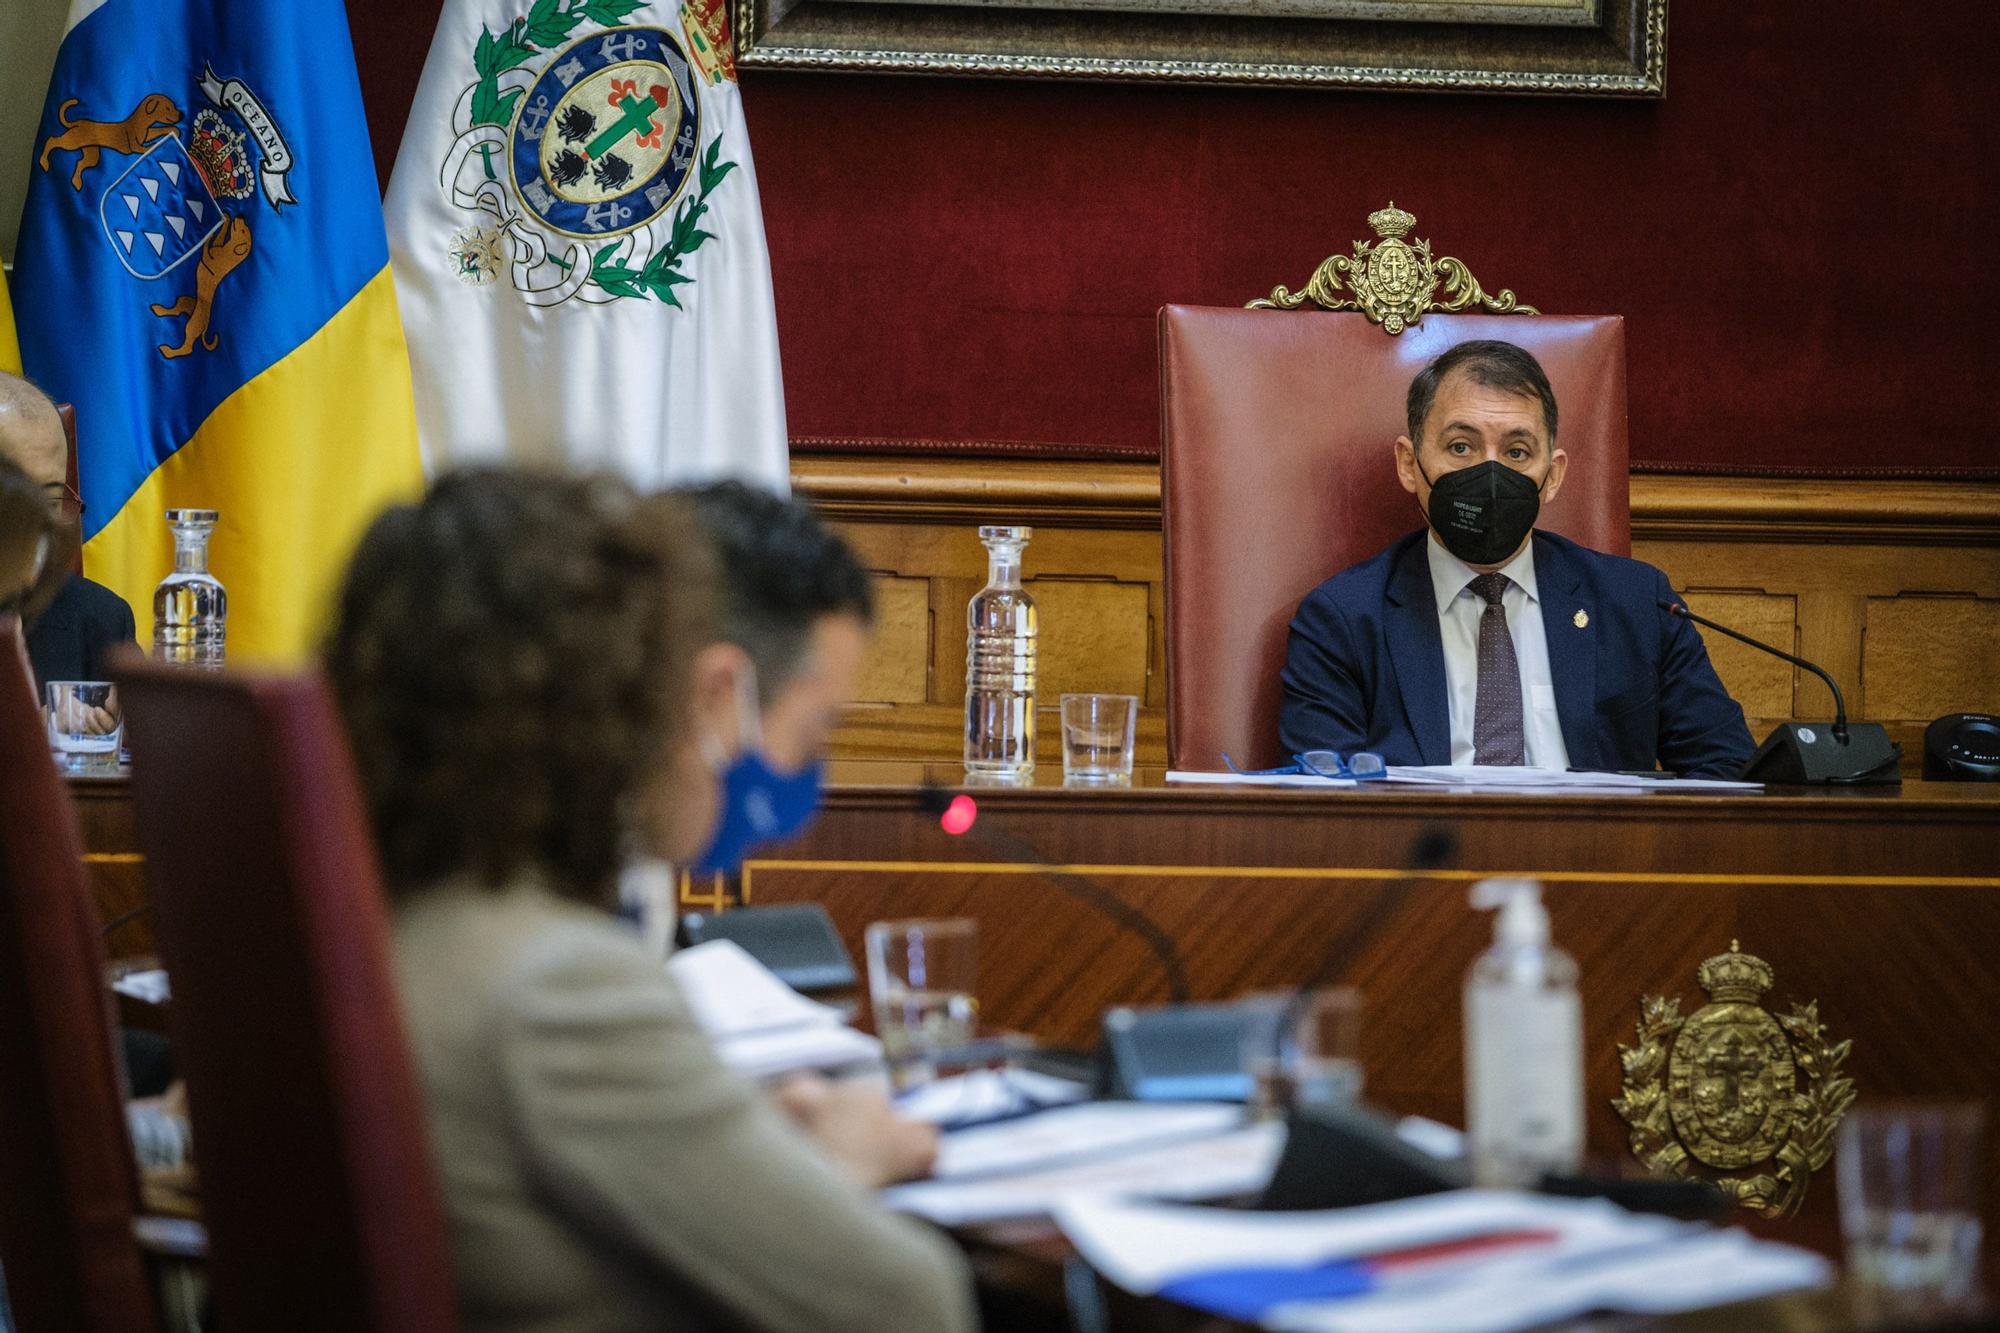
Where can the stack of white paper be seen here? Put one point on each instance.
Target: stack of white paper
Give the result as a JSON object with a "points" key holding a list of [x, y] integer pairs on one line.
{"points": [[148, 987], [1474, 776], [1258, 779], [1237, 1161], [1094, 1130], [1513, 775], [982, 1095], [760, 1026], [1471, 1261]]}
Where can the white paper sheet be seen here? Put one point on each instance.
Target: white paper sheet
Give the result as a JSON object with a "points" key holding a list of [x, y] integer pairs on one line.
{"points": [[1597, 1256], [1238, 1162], [148, 987], [732, 993], [760, 1026], [761, 1055], [1258, 779], [1472, 777], [1078, 1133], [984, 1094], [1556, 779]]}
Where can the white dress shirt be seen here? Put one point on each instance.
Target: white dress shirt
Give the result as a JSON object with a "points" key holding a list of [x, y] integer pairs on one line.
{"points": [[1459, 610]]}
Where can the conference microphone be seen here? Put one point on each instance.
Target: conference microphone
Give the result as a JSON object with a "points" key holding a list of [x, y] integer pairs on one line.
{"points": [[1811, 752], [123, 918], [958, 815], [1341, 1154], [1435, 845]]}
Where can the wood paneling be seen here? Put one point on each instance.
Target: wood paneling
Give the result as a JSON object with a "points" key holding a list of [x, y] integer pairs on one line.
{"points": [[1927, 654], [1893, 586], [1882, 905]]}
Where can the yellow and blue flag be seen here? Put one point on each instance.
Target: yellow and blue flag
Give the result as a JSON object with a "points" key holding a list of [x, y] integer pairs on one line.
{"points": [[203, 271], [10, 353]]}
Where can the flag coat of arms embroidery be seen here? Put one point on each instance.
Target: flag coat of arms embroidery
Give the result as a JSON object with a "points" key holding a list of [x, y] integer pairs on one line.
{"points": [[579, 247]]}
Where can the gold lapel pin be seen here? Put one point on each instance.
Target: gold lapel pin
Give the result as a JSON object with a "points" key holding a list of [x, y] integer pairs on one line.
{"points": [[1580, 619]]}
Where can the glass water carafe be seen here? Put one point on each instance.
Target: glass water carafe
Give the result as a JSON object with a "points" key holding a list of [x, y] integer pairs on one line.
{"points": [[1000, 662], [190, 609]]}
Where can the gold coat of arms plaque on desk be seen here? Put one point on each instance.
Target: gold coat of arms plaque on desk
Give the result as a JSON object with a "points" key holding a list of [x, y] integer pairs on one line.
{"points": [[1735, 1088]]}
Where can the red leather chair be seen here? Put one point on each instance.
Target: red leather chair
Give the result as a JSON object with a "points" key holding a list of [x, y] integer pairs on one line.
{"points": [[69, 1189], [316, 1177], [1276, 473]]}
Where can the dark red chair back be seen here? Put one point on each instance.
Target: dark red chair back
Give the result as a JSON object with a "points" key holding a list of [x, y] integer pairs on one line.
{"points": [[69, 1189], [1277, 473], [317, 1184]]}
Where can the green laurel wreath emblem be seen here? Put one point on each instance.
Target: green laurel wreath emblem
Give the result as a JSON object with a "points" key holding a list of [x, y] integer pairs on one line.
{"points": [[663, 272], [547, 26]]}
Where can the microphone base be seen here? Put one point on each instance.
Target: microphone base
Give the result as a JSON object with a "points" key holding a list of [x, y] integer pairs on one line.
{"points": [[1807, 753]]}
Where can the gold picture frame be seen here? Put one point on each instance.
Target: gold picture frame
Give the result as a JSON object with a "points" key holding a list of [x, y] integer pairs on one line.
{"points": [[1587, 48]]}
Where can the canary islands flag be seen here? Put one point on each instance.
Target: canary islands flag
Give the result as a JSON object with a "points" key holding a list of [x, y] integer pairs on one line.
{"points": [[204, 272], [10, 354]]}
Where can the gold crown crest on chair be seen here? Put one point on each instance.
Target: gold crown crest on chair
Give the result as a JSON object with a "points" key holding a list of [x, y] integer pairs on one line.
{"points": [[1393, 281]]}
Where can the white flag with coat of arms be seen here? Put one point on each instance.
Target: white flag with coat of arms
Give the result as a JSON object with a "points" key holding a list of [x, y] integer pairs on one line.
{"points": [[579, 248]]}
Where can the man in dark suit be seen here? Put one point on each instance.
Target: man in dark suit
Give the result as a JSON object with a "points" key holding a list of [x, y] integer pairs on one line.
{"points": [[71, 622], [1481, 640]]}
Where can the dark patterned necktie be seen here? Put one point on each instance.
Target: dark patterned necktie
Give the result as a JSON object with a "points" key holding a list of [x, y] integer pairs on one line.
{"points": [[1496, 717]]}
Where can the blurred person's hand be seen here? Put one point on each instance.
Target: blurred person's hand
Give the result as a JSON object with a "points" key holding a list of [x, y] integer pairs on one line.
{"points": [[855, 1126]]}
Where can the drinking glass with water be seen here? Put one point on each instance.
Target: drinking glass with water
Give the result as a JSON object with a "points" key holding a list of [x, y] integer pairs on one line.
{"points": [[920, 981], [1302, 1048], [1909, 1200], [1098, 735], [86, 724]]}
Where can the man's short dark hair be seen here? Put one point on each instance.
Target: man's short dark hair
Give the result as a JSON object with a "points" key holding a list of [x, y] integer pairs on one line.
{"points": [[782, 571], [1487, 361]]}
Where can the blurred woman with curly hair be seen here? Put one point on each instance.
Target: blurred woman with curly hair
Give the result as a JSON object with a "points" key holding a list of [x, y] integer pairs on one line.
{"points": [[525, 666]]}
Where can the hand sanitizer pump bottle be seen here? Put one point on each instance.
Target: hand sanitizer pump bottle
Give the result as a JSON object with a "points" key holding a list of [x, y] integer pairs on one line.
{"points": [[1523, 1045]]}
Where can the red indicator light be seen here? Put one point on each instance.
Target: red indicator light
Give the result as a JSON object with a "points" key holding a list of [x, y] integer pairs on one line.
{"points": [[959, 815]]}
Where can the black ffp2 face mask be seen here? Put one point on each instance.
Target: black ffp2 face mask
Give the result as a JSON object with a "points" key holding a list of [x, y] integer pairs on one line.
{"points": [[1482, 514]]}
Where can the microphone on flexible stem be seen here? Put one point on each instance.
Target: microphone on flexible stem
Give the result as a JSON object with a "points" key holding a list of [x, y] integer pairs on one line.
{"points": [[1811, 752], [122, 918], [1340, 1154], [958, 815], [1435, 845]]}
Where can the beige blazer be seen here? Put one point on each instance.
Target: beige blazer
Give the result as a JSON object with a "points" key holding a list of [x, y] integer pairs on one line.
{"points": [[602, 1170]]}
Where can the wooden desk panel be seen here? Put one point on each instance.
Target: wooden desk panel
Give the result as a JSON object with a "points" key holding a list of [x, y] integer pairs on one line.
{"points": [[1883, 906], [111, 855]]}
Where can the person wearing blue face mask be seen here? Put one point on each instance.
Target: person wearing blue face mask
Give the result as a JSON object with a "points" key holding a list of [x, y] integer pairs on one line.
{"points": [[527, 665], [794, 613], [1479, 639]]}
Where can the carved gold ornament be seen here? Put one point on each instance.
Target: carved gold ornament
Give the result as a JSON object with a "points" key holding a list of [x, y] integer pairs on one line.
{"points": [[1733, 1086], [1393, 280]]}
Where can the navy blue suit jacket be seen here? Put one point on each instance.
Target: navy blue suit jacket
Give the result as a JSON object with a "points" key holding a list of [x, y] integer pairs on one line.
{"points": [[1364, 669], [70, 640]]}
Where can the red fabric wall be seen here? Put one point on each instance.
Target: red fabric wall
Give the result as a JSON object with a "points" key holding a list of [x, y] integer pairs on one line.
{"points": [[1797, 235]]}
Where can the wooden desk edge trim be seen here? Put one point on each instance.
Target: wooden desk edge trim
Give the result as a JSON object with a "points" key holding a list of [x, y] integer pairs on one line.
{"points": [[1664, 505], [1183, 801], [751, 868]]}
